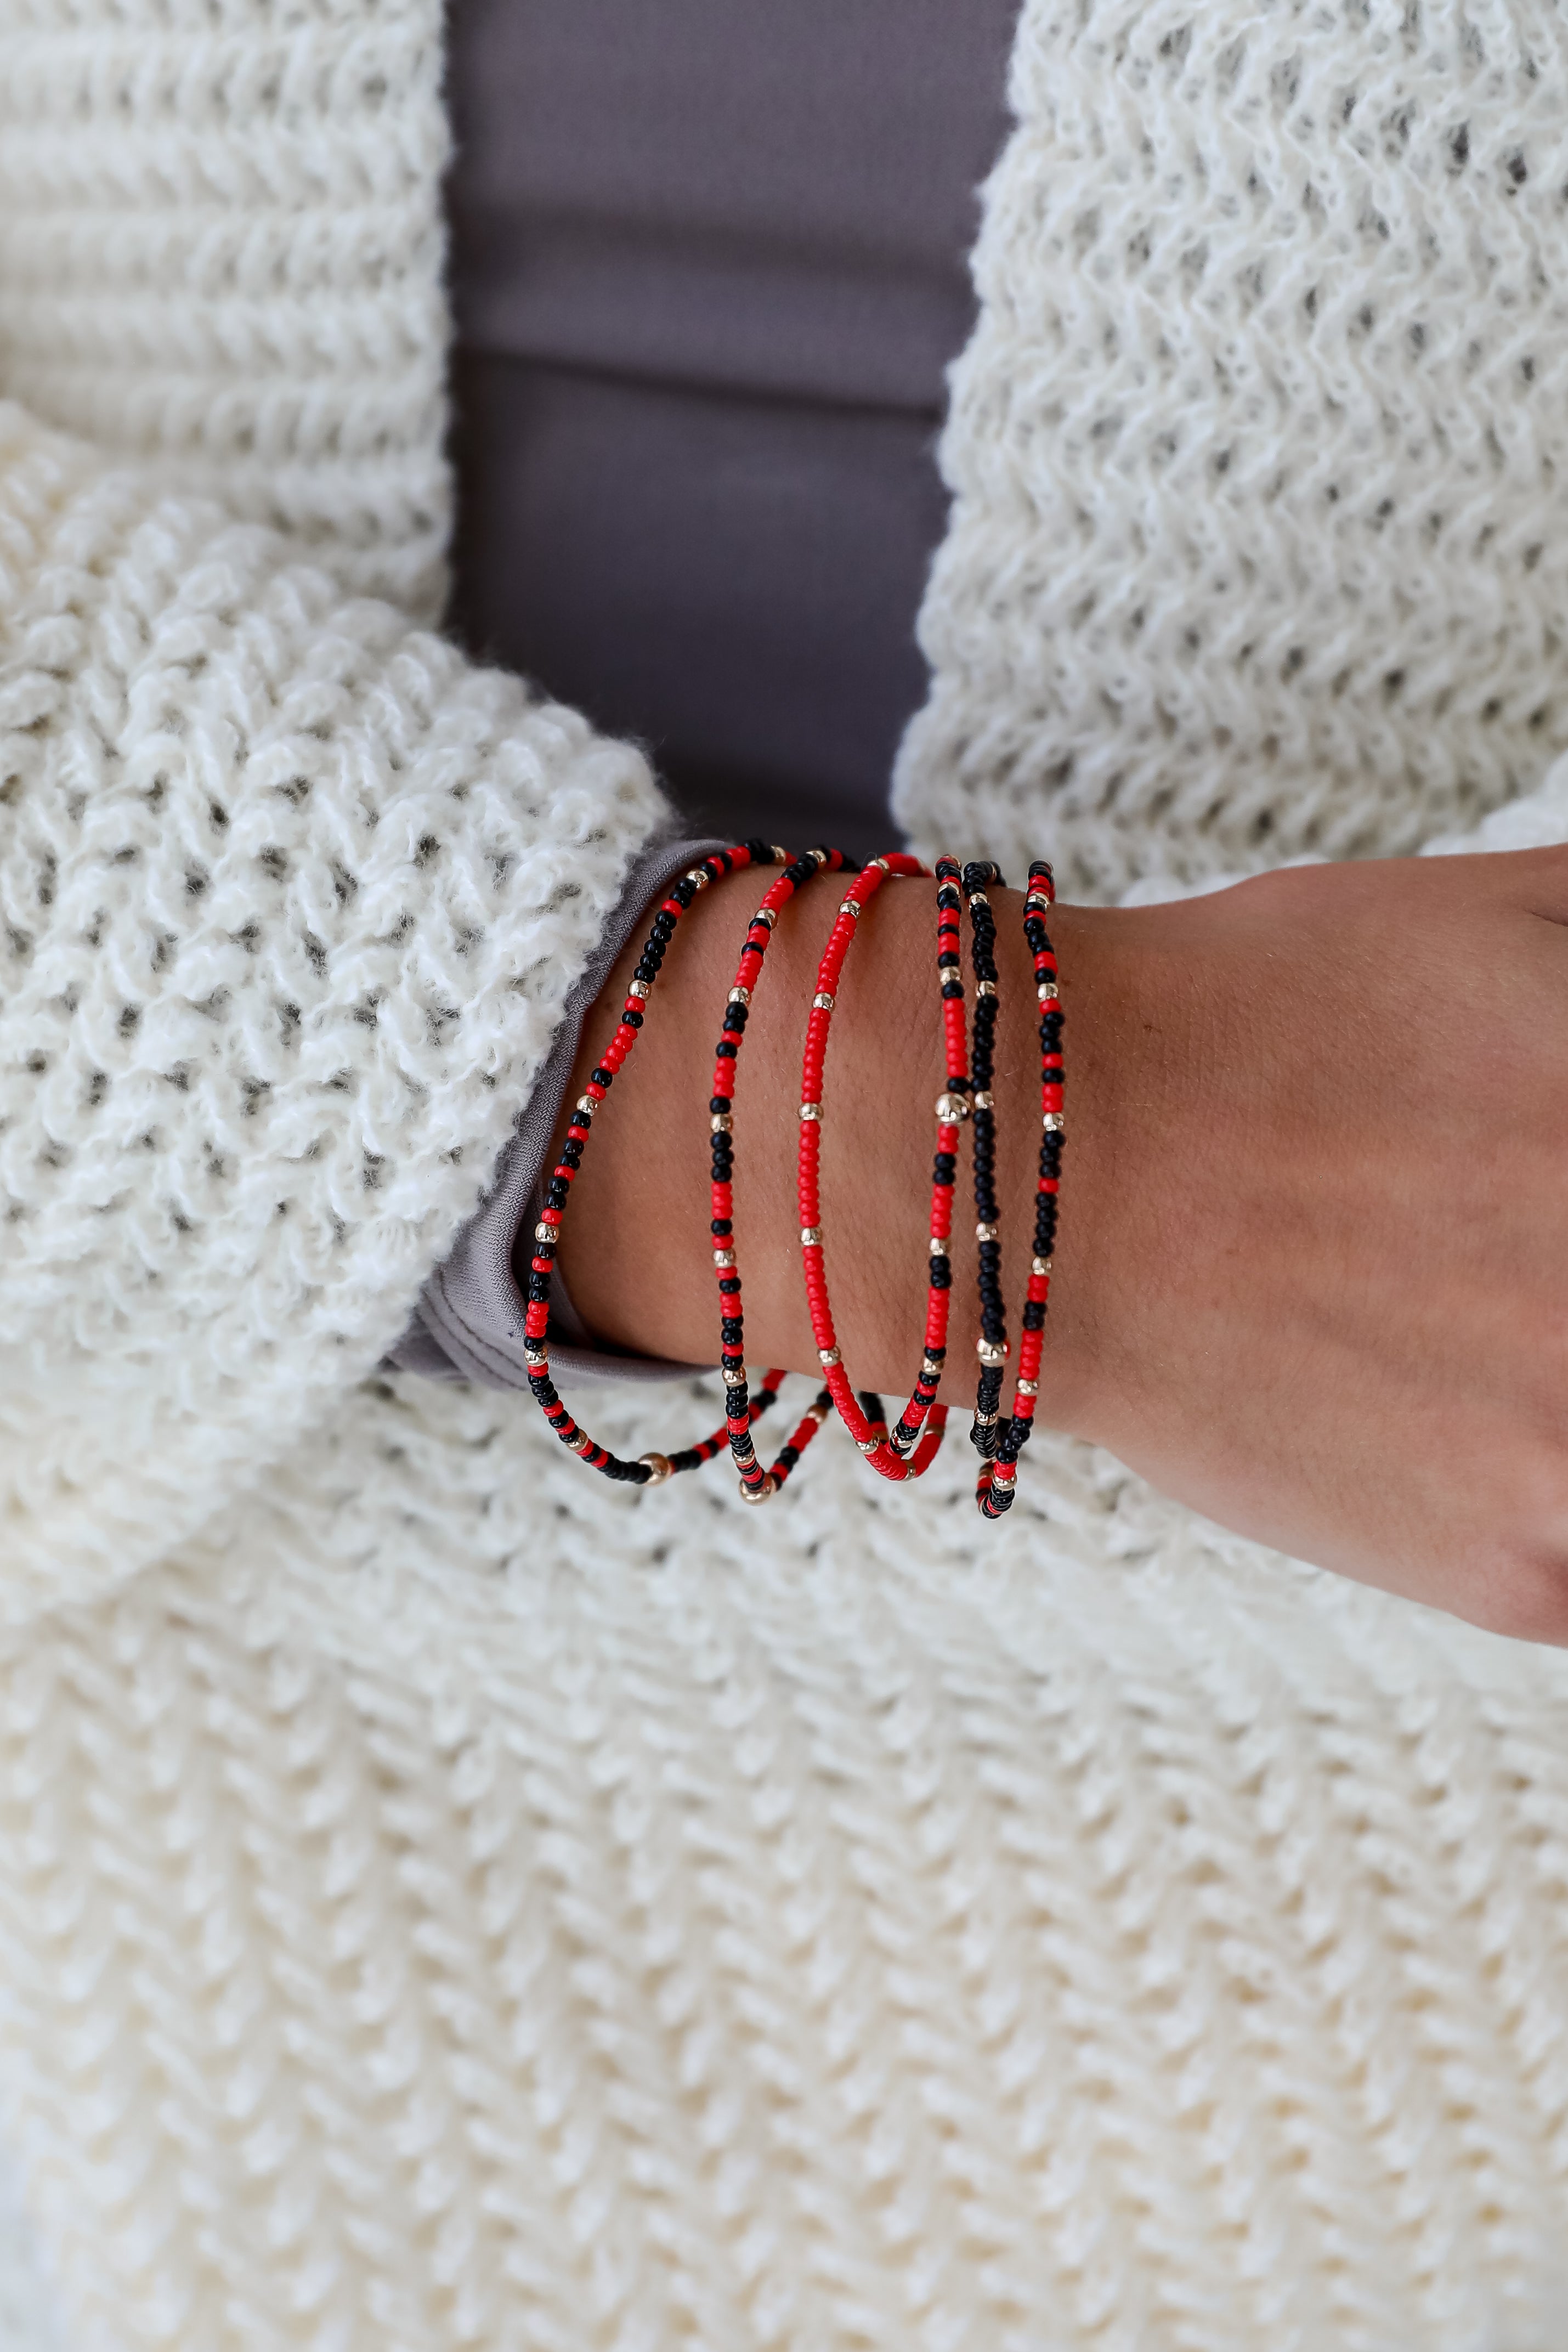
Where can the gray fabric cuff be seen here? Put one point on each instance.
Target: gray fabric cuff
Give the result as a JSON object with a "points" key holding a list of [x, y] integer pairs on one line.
{"points": [[468, 1324]]}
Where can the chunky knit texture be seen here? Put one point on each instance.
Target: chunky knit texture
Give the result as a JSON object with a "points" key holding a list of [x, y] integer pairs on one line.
{"points": [[1260, 451], [445, 1903], [221, 252], [290, 900]]}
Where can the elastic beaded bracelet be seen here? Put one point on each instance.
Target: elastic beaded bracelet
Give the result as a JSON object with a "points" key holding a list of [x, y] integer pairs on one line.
{"points": [[952, 1110], [872, 1437], [998, 1477], [991, 1347], [756, 1483], [651, 1468]]}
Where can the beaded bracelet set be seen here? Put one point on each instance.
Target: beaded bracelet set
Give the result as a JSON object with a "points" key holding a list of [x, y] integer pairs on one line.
{"points": [[907, 1448]]}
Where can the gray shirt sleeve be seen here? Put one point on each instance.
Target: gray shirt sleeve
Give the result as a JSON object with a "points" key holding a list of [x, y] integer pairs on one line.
{"points": [[468, 1324]]}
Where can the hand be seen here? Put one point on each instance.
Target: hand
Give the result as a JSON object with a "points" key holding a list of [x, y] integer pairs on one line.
{"points": [[1313, 1274], [1315, 1218]]}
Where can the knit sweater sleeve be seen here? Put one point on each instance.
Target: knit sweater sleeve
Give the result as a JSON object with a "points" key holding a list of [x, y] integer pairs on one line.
{"points": [[291, 901]]}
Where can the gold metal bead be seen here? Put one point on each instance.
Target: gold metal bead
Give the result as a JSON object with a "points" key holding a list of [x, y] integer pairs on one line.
{"points": [[724, 1257], [1047, 992], [829, 1357], [735, 1376], [587, 1106], [739, 995], [985, 1099], [883, 864], [818, 858], [722, 1122], [984, 988], [816, 1414], [761, 1494], [657, 1465], [700, 876], [952, 1109], [1035, 899], [823, 1001], [811, 1237], [1053, 1122], [546, 1233], [936, 1247], [811, 1110], [1028, 1388], [766, 916], [580, 1441], [991, 1351], [1041, 1265], [985, 1420], [985, 1232], [867, 1444], [931, 1370], [780, 856], [849, 906], [1003, 1474], [642, 988], [978, 898]]}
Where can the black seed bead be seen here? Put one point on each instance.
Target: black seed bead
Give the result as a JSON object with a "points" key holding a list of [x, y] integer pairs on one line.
{"points": [[788, 1457], [729, 1284], [684, 892], [951, 988], [734, 1018], [726, 1049], [602, 1077], [721, 1224], [719, 1103], [538, 1289], [1034, 1315], [943, 1167], [941, 1274], [761, 853], [556, 1192], [731, 1331]]}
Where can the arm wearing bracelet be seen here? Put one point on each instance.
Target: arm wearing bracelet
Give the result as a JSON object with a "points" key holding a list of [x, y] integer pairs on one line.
{"points": [[1312, 1270]]}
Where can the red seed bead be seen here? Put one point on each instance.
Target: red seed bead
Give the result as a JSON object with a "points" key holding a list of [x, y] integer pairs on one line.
{"points": [[651, 1469], [876, 1443], [756, 1483]]}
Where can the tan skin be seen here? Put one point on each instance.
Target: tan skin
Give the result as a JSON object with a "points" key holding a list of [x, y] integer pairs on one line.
{"points": [[1312, 1276]]}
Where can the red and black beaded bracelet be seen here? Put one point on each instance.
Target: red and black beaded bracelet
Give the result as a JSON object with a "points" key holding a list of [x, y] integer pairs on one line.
{"points": [[979, 877], [998, 1475], [649, 1469], [885, 1450], [756, 1483]]}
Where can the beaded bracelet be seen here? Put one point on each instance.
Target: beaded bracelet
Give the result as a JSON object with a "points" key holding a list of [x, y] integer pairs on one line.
{"points": [[997, 1476], [886, 1451], [991, 1347], [756, 1484], [649, 1469]]}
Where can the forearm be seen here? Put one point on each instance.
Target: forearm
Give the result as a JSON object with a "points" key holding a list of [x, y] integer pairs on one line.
{"points": [[637, 1254]]}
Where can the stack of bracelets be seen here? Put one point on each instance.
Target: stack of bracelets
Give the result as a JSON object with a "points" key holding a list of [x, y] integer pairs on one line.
{"points": [[907, 1448]]}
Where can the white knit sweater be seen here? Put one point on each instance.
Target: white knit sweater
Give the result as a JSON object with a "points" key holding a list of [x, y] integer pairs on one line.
{"points": [[445, 1903]]}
